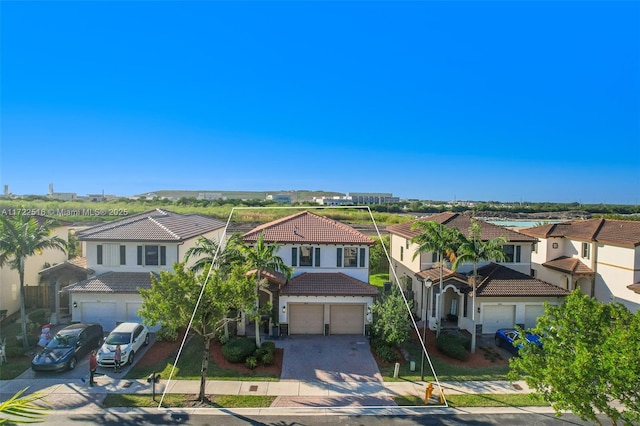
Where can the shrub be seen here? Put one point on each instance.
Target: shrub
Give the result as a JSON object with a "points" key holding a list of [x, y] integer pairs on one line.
{"points": [[267, 358], [251, 362], [269, 347], [260, 352], [454, 346], [238, 349], [386, 353], [168, 334], [39, 317]]}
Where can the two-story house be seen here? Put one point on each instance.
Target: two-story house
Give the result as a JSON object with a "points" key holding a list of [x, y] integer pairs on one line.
{"points": [[329, 292], [123, 253], [506, 293], [601, 257]]}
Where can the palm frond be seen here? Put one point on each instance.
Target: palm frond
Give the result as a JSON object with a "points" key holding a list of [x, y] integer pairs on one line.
{"points": [[23, 408]]}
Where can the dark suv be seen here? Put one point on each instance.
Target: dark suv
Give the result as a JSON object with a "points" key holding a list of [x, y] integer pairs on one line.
{"points": [[67, 347]]}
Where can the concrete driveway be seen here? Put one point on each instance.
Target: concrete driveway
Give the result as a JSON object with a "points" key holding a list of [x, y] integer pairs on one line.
{"points": [[82, 368], [345, 358]]}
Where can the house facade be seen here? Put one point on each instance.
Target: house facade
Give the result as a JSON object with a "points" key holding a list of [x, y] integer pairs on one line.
{"points": [[601, 257], [505, 293], [10, 280], [121, 256], [328, 292]]}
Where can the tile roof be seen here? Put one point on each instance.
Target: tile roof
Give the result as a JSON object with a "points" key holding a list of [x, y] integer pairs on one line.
{"points": [[154, 225], [79, 264], [569, 265], [307, 228], [433, 274], [112, 282], [276, 277], [462, 223], [634, 287], [500, 281], [624, 233], [327, 284]]}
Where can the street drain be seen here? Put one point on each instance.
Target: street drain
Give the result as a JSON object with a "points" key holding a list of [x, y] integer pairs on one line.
{"points": [[253, 388]]}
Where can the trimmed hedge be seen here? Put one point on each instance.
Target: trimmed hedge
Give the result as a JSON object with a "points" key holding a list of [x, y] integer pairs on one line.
{"points": [[238, 349], [453, 345], [386, 353]]}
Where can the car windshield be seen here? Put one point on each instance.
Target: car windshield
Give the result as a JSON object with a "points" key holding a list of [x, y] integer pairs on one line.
{"points": [[118, 339], [61, 341]]}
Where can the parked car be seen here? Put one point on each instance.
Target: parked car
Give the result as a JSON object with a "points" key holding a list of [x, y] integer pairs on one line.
{"points": [[68, 346], [506, 336], [131, 336]]}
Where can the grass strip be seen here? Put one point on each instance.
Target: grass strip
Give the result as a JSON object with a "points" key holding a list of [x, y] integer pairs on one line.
{"points": [[480, 400], [187, 401]]}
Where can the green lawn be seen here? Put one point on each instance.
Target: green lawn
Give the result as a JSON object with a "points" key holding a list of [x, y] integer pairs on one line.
{"points": [[378, 279], [480, 400], [189, 366], [18, 361], [182, 400]]}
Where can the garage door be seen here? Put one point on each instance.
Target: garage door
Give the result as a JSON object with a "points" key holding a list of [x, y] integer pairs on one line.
{"points": [[347, 319], [498, 316], [101, 313], [306, 319], [531, 314], [132, 312]]}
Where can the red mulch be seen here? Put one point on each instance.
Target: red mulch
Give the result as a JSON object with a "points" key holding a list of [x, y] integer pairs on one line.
{"points": [[161, 350], [475, 360]]}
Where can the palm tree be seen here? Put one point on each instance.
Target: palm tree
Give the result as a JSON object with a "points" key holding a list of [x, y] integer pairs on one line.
{"points": [[23, 408], [439, 239], [263, 257], [474, 250], [209, 252], [21, 237]]}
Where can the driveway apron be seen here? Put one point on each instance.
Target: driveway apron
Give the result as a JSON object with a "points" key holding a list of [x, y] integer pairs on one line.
{"points": [[345, 358]]}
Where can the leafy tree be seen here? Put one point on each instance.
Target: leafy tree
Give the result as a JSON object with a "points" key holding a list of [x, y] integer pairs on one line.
{"points": [[436, 238], [22, 408], [378, 256], [589, 361], [209, 252], [390, 319], [174, 296], [21, 236], [474, 250], [262, 257]]}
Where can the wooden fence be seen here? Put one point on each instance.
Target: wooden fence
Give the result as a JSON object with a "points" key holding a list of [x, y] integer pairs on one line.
{"points": [[36, 296]]}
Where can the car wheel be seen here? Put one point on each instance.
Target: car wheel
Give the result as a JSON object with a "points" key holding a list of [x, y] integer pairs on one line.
{"points": [[146, 339], [130, 359], [72, 363], [498, 342]]}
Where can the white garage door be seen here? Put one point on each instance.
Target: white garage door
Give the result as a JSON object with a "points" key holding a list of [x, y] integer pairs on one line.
{"points": [[531, 314], [306, 319], [347, 319], [101, 313], [498, 316], [132, 312]]}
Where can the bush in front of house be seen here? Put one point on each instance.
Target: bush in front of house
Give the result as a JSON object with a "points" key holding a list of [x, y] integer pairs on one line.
{"points": [[454, 346], [167, 334], [267, 358], [251, 362], [385, 352], [238, 349]]}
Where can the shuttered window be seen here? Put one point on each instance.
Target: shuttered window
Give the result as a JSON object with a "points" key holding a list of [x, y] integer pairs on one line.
{"points": [[294, 256], [317, 257], [339, 257]]}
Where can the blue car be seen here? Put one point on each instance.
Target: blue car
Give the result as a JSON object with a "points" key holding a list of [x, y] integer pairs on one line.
{"points": [[67, 347], [506, 336]]}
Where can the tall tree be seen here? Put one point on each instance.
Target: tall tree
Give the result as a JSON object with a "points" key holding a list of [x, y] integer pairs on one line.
{"points": [[22, 236], [209, 252], [174, 296], [262, 257], [589, 362], [439, 239], [474, 250]]}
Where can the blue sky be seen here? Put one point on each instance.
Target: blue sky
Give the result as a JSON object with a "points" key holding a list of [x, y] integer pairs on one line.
{"points": [[504, 100]]}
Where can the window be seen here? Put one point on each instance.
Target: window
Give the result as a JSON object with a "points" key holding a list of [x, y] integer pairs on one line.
{"points": [[586, 250], [401, 253], [513, 253], [294, 256], [535, 247], [153, 255], [407, 245], [306, 256], [434, 257], [123, 255], [99, 254], [362, 257], [350, 257], [317, 257]]}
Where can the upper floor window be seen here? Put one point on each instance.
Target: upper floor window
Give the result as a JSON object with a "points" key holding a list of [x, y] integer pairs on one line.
{"points": [[434, 257], [513, 253], [152, 255], [305, 256], [586, 250], [99, 254], [351, 257], [401, 253], [407, 244]]}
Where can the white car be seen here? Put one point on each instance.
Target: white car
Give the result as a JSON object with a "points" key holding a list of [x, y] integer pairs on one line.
{"points": [[131, 336]]}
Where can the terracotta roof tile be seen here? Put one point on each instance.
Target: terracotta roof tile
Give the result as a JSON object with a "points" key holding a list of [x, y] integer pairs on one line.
{"points": [[634, 287], [309, 228], [276, 277], [112, 282], [569, 265], [78, 264], [625, 233], [500, 281], [327, 284], [462, 223], [433, 274], [154, 225]]}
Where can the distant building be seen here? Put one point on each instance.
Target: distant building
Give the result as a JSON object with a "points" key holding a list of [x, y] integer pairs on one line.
{"points": [[64, 196], [101, 197], [333, 201], [209, 196], [279, 198], [373, 198]]}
